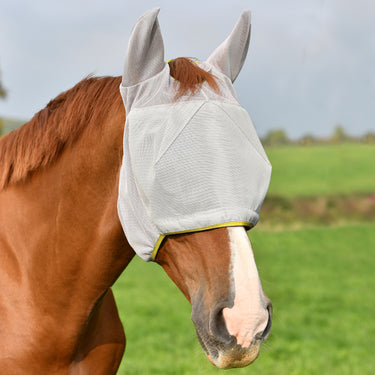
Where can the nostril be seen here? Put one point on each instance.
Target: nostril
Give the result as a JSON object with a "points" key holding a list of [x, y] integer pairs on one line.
{"points": [[267, 330], [218, 327]]}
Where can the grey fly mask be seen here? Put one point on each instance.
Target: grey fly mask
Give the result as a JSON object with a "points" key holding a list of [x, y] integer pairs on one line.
{"points": [[190, 164]]}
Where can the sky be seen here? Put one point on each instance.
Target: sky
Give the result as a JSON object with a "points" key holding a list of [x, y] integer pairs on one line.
{"points": [[310, 66]]}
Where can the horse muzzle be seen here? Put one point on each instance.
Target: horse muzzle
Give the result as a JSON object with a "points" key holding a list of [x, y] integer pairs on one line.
{"points": [[225, 350]]}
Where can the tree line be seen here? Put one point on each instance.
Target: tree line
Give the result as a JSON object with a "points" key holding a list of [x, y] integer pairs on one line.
{"points": [[279, 137]]}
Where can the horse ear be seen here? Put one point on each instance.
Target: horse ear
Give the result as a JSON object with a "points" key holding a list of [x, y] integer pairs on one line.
{"points": [[231, 54], [145, 55]]}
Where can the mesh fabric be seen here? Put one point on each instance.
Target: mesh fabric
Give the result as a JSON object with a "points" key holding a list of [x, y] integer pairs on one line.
{"points": [[192, 163]]}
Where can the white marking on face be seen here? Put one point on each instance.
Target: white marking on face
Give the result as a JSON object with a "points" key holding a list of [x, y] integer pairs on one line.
{"points": [[249, 314]]}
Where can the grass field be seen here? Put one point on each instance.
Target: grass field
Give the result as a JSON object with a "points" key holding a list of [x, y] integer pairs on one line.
{"points": [[322, 170], [320, 279]]}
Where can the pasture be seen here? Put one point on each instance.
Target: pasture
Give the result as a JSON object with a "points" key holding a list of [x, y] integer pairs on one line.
{"points": [[322, 170], [320, 279]]}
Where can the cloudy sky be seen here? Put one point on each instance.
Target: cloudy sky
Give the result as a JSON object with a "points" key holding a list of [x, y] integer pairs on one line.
{"points": [[311, 63]]}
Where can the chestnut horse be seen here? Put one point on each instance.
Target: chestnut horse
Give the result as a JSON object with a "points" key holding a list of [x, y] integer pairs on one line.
{"points": [[62, 247]]}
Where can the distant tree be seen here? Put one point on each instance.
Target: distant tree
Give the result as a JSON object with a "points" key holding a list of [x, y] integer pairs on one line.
{"points": [[308, 140], [3, 92], [276, 138], [368, 138], [339, 135]]}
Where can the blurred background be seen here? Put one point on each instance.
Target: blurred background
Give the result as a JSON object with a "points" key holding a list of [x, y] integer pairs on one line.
{"points": [[309, 86]]}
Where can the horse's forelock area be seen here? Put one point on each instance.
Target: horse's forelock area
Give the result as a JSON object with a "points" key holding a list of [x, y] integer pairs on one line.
{"points": [[59, 125], [190, 76]]}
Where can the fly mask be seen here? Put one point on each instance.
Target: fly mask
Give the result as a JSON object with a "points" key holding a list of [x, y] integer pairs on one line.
{"points": [[189, 164]]}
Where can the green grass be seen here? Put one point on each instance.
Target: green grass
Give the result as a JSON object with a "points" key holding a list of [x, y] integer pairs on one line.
{"points": [[322, 170], [321, 282]]}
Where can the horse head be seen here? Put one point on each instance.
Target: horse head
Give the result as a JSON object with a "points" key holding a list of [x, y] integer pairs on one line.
{"points": [[193, 178]]}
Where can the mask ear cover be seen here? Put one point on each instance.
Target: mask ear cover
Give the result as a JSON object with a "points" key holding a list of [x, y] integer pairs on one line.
{"points": [[145, 54], [230, 56]]}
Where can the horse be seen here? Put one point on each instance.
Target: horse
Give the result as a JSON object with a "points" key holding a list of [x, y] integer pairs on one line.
{"points": [[62, 244]]}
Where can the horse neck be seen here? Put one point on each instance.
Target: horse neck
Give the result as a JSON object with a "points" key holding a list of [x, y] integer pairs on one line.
{"points": [[65, 226]]}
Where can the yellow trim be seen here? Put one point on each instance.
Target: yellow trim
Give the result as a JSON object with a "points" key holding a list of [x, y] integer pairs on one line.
{"points": [[215, 226], [157, 246]]}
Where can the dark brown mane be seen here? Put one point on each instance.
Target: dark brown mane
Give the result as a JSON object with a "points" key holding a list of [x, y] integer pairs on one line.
{"points": [[190, 76], [39, 142]]}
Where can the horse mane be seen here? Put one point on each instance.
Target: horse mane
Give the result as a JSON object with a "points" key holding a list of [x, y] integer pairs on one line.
{"points": [[190, 76], [58, 126], [41, 141]]}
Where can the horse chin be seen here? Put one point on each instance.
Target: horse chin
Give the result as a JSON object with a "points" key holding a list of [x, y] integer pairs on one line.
{"points": [[236, 357], [230, 356]]}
